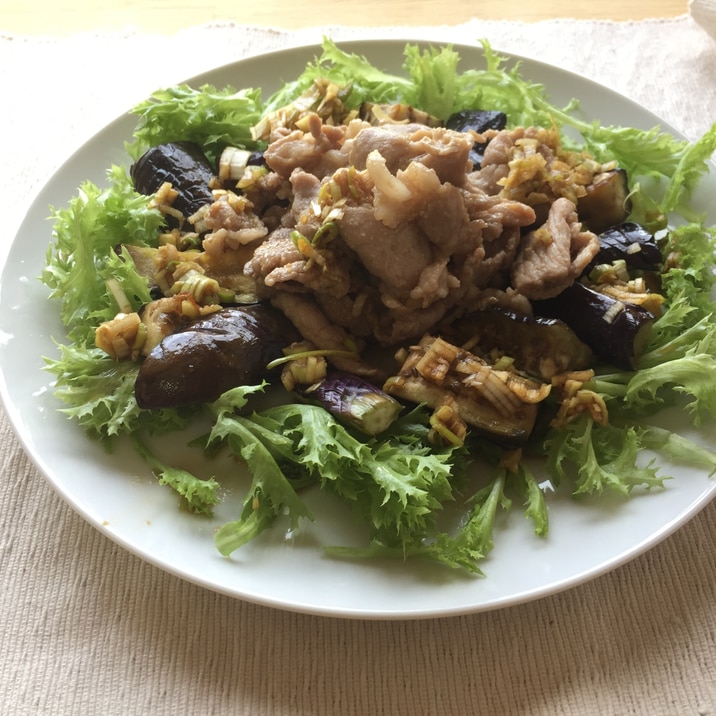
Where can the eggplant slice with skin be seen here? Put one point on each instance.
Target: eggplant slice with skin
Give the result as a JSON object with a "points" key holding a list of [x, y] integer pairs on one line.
{"points": [[355, 401], [615, 330], [631, 243], [181, 164], [223, 350]]}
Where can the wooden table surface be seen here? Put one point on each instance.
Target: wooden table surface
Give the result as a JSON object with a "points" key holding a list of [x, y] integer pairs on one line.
{"points": [[63, 17]]}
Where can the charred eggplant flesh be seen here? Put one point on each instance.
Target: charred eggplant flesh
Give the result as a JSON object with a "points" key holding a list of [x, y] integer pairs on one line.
{"points": [[606, 202], [500, 404], [539, 346]]}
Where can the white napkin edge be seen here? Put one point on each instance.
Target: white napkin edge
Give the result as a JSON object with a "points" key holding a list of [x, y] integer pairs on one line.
{"points": [[704, 13]]}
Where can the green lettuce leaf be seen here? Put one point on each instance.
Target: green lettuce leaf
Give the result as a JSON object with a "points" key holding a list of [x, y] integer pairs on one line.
{"points": [[534, 499], [689, 250], [595, 458], [694, 376], [692, 165], [198, 495], [271, 493], [397, 487], [363, 80], [211, 117], [677, 448], [99, 394], [82, 255], [464, 550]]}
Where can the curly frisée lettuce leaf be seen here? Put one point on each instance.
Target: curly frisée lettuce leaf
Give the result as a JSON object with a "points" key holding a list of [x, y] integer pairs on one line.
{"points": [[200, 496], [211, 117], [596, 457], [467, 546], [82, 254], [271, 493], [433, 81], [80, 261], [397, 486], [691, 166], [99, 393], [364, 80], [693, 376], [677, 448], [400, 486], [464, 550], [689, 251], [680, 358]]}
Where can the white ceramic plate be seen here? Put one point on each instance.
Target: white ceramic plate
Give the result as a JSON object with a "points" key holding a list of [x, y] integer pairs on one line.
{"points": [[117, 494]]}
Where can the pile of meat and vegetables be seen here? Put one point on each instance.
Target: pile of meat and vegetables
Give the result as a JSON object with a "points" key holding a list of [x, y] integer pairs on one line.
{"points": [[443, 291]]}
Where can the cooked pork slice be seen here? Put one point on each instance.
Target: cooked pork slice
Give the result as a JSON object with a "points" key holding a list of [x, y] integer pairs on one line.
{"points": [[489, 176], [319, 151], [266, 192], [357, 313], [233, 223], [435, 283], [494, 168], [278, 263], [397, 257], [528, 164], [498, 222], [553, 256], [509, 299], [444, 219], [406, 325], [313, 325], [305, 188], [537, 173], [406, 217], [491, 267], [443, 150], [277, 251], [496, 212]]}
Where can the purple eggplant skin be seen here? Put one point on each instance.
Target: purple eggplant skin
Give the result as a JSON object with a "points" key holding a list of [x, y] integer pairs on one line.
{"points": [[478, 120], [257, 159], [184, 166], [616, 331], [355, 401], [631, 243], [223, 350]]}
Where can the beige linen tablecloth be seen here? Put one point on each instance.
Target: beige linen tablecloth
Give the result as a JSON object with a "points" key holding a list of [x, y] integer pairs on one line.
{"points": [[88, 628]]}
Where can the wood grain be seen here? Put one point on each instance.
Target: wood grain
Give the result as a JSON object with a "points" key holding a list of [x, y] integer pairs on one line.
{"points": [[63, 17]]}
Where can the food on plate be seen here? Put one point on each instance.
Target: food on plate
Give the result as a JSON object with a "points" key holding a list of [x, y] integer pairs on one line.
{"points": [[210, 355], [443, 292]]}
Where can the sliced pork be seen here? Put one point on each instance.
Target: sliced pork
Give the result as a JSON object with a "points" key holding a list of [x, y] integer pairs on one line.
{"points": [[553, 256]]}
